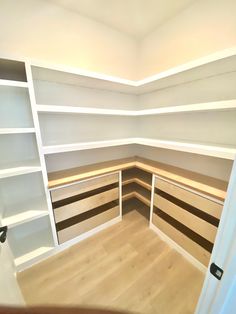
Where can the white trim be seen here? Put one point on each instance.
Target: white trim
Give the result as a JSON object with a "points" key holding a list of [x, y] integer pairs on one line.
{"points": [[32, 258], [16, 130], [208, 150], [178, 248], [40, 150], [13, 83]]}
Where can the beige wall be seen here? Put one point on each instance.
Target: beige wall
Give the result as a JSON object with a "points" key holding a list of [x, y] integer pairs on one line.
{"points": [[203, 28], [38, 29], [41, 30]]}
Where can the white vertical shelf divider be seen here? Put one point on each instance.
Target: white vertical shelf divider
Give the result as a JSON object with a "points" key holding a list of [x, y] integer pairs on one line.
{"points": [[40, 150]]}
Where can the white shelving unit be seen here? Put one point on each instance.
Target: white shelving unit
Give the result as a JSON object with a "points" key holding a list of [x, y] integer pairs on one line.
{"points": [[23, 217], [18, 171], [23, 203], [203, 149], [56, 111], [13, 83]]}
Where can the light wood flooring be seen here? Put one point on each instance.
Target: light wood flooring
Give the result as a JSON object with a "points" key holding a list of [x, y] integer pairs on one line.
{"points": [[125, 267]]}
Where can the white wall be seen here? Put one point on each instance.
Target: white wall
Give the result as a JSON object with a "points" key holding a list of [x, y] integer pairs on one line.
{"points": [[203, 28], [44, 31], [39, 29]]}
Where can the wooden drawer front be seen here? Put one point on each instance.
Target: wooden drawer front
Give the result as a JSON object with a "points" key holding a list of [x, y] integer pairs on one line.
{"points": [[85, 204], [82, 187], [183, 240], [198, 225], [210, 207], [189, 219], [85, 224]]}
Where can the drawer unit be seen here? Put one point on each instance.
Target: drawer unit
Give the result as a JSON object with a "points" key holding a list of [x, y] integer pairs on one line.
{"points": [[187, 217], [84, 205]]}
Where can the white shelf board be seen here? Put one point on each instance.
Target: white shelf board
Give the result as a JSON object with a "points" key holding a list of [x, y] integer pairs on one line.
{"points": [[213, 64], [16, 171], [33, 255], [209, 106], [16, 130], [23, 217], [84, 110], [85, 145], [195, 148], [13, 83], [219, 62]]}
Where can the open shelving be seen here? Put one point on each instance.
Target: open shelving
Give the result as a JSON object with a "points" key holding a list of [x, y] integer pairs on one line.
{"points": [[63, 110], [196, 148]]}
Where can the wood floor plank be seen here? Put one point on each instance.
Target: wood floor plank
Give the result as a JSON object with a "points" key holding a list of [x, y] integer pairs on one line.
{"points": [[125, 267]]}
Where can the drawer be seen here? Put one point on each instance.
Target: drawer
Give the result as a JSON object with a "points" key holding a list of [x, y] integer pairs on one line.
{"points": [[202, 203]]}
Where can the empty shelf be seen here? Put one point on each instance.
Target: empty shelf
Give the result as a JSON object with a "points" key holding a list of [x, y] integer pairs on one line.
{"points": [[13, 83], [23, 217]]}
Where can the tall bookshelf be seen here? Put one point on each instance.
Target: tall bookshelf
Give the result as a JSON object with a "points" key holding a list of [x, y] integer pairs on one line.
{"points": [[23, 206]]}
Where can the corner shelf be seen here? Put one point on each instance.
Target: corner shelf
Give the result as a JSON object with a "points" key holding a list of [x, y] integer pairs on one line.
{"points": [[23, 217], [195, 148], [16, 130]]}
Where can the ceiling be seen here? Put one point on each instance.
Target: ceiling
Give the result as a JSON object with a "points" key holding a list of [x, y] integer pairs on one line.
{"points": [[136, 18]]}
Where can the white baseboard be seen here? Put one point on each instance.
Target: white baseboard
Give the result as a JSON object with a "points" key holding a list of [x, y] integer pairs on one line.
{"points": [[88, 234], [178, 248]]}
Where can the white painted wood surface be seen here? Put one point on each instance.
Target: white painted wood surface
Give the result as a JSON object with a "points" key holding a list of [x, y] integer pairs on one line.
{"points": [[203, 149]]}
